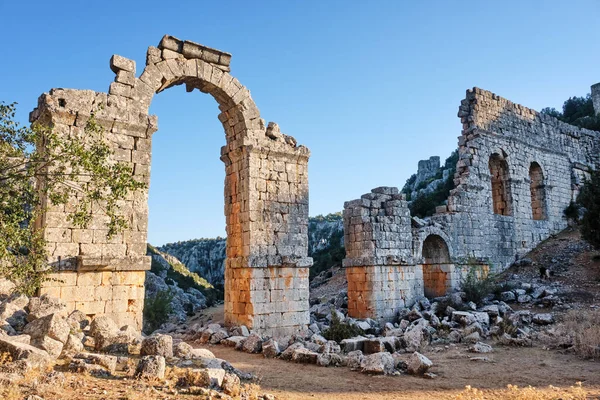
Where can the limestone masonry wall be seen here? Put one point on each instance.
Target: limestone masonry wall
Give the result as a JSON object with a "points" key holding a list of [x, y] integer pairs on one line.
{"points": [[517, 171], [266, 194]]}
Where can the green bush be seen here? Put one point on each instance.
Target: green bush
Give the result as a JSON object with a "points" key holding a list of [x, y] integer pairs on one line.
{"points": [[477, 285], [157, 310], [578, 111], [330, 256], [339, 330], [589, 199], [571, 212]]}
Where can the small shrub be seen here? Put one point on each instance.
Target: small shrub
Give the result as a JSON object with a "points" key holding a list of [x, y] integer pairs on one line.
{"points": [[478, 284], [583, 331], [339, 330], [589, 199], [157, 310], [571, 212]]}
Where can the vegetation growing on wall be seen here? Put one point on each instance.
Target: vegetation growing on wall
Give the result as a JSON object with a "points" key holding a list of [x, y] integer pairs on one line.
{"points": [[578, 111], [38, 163]]}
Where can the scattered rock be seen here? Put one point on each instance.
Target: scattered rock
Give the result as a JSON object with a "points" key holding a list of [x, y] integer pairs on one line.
{"points": [[418, 364], [378, 363], [151, 367], [157, 345], [480, 347]]}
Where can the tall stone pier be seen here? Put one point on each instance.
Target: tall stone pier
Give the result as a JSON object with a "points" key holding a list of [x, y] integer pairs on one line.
{"points": [[382, 277], [266, 195]]}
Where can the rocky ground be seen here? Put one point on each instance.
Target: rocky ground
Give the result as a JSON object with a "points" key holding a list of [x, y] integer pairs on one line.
{"points": [[529, 331]]}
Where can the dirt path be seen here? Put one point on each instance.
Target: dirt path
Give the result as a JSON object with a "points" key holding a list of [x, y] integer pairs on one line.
{"points": [[516, 366]]}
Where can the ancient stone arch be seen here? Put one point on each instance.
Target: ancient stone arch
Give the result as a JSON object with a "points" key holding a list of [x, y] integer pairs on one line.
{"points": [[266, 195], [501, 193], [436, 266], [538, 191]]}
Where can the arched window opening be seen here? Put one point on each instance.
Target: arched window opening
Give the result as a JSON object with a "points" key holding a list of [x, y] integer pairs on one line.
{"points": [[538, 192], [501, 198], [436, 266]]}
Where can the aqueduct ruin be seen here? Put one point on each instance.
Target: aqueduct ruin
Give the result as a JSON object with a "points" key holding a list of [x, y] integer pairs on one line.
{"points": [[517, 171], [266, 195]]}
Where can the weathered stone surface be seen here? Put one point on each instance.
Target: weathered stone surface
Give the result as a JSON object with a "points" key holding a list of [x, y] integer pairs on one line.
{"points": [[354, 359], [270, 348], [53, 325], [378, 363], [34, 357], [6, 288], [304, 356], [252, 344], [543, 319], [45, 305], [51, 346], [151, 367], [289, 352], [157, 345], [108, 362], [480, 347], [182, 350], [418, 364]]}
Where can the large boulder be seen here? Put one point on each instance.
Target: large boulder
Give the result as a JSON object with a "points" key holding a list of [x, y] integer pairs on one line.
{"points": [[157, 345], [151, 367], [378, 363], [418, 364], [183, 350], [108, 362], [304, 356], [270, 348], [354, 359], [252, 344], [52, 346], [78, 320], [7, 288], [12, 311], [32, 356], [543, 319], [481, 347], [39, 307], [289, 352], [353, 344], [53, 325], [109, 338]]}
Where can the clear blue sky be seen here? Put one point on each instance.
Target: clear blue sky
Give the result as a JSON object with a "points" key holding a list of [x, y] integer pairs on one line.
{"points": [[370, 87]]}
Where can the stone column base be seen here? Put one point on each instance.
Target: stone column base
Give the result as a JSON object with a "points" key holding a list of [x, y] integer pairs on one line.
{"points": [[272, 300], [118, 294], [379, 291]]}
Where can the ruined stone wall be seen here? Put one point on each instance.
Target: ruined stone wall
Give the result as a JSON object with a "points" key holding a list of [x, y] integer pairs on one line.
{"points": [[266, 190], [596, 97], [382, 277], [517, 172], [495, 128]]}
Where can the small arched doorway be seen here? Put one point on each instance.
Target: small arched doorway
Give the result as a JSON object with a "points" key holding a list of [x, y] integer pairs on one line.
{"points": [[437, 267], [501, 196], [538, 192]]}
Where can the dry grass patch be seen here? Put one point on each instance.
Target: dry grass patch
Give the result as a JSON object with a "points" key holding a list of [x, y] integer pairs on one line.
{"points": [[513, 392], [577, 330]]}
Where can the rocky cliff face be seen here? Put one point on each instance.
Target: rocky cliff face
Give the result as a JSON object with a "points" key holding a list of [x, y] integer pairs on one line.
{"points": [[206, 257]]}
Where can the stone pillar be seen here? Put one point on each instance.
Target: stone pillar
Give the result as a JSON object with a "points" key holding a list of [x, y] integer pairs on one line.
{"points": [[382, 277], [93, 273], [266, 195], [596, 97], [266, 285]]}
